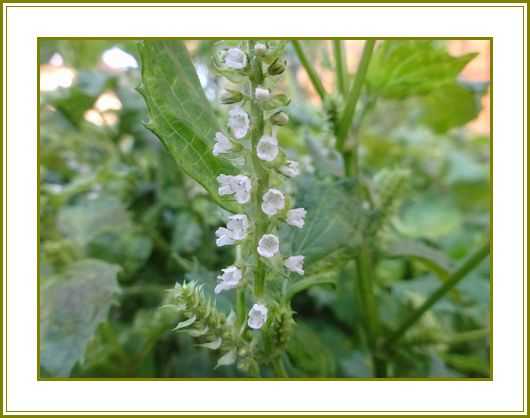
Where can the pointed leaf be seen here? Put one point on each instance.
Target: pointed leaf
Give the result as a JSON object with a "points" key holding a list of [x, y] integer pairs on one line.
{"points": [[228, 359], [180, 114], [185, 323], [212, 345], [402, 68]]}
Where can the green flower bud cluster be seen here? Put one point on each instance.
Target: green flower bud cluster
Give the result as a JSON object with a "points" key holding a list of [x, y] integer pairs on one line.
{"points": [[212, 329]]}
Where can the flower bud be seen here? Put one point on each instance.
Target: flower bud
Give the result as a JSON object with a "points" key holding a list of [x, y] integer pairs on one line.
{"points": [[231, 97], [260, 49], [277, 67], [279, 118]]}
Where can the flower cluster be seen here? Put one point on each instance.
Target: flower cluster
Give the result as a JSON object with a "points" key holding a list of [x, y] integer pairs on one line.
{"points": [[260, 188]]}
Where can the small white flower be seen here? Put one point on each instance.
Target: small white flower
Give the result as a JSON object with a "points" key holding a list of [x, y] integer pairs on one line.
{"points": [[229, 279], [236, 230], [268, 245], [222, 144], [295, 217], [257, 316], [239, 186], [273, 202], [235, 58], [295, 264], [238, 121], [291, 169], [260, 49], [224, 237], [262, 94], [238, 226], [267, 148]]}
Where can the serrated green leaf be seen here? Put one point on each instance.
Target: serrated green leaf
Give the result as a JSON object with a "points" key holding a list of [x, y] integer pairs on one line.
{"points": [[72, 306], [403, 68], [434, 259], [334, 219], [180, 114]]}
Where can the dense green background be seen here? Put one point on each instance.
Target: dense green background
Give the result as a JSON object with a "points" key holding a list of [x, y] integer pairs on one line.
{"points": [[120, 222]]}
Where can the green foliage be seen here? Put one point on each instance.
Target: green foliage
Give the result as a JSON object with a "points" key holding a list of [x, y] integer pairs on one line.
{"points": [[73, 305], [124, 213]]}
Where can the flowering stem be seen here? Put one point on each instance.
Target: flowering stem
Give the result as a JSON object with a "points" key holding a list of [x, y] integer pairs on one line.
{"points": [[338, 52], [262, 180], [354, 94], [310, 70], [469, 264]]}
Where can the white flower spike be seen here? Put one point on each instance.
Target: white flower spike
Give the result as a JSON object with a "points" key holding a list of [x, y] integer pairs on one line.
{"points": [[295, 264], [238, 121], [267, 148], [268, 245], [257, 316], [229, 279], [239, 186], [291, 169], [296, 217], [236, 230], [273, 202], [262, 94], [222, 144], [235, 58]]}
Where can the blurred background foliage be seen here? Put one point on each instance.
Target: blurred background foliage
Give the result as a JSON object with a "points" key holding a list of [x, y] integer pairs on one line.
{"points": [[120, 223]]}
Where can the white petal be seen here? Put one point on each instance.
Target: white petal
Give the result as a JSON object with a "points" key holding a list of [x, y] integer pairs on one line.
{"points": [[295, 264], [267, 148], [273, 202], [222, 144], [257, 316], [291, 169], [262, 94], [224, 237], [268, 245], [235, 58], [296, 217], [229, 279], [238, 226], [238, 121]]}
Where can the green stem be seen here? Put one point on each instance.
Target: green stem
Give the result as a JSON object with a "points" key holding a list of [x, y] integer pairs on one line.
{"points": [[354, 94], [340, 68], [366, 289], [469, 264], [311, 72], [262, 180], [279, 369]]}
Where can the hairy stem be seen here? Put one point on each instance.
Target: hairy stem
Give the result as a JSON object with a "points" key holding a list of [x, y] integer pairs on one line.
{"points": [[469, 264], [340, 68], [311, 72], [354, 94], [365, 275]]}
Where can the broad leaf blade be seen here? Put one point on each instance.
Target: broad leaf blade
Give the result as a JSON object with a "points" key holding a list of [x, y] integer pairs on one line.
{"points": [[403, 68], [451, 106], [180, 114], [73, 305], [333, 222]]}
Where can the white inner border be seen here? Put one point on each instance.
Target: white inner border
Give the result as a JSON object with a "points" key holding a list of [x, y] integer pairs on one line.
{"points": [[508, 27]]}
